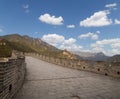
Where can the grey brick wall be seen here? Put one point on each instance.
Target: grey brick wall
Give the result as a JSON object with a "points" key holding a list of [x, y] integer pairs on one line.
{"points": [[12, 74]]}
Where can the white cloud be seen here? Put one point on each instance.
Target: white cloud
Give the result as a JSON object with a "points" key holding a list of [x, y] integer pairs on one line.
{"points": [[72, 47], [115, 45], [98, 32], [108, 46], [53, 39], [98, 49], [98, 19], [26, 8], [117, 21], [69, 41], [70, 26], [115, 51], [47, 18], [60, 42], [93, 36], [111, 5]]}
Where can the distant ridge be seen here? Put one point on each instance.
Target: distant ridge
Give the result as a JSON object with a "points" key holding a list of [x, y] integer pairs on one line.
{"points": [[115, 58], [27, 44], [91, 56], [33, 45]]}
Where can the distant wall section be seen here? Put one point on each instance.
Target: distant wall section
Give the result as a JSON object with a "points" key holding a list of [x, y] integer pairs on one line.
{"points": [[100, 67]]}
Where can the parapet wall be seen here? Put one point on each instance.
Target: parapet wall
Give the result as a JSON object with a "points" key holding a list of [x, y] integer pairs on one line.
{"points": [[12, 72], [100, 67]]}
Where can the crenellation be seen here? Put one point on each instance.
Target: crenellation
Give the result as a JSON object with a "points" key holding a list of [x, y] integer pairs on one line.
{"points": [[100, 67]]}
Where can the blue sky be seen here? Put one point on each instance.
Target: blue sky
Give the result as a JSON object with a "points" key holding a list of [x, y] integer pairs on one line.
{"points": [[77, 25]]}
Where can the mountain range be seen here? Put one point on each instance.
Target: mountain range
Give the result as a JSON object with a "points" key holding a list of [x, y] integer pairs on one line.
{"points": [[34, 45], [31, 45], [115, 58], [91, 56]]}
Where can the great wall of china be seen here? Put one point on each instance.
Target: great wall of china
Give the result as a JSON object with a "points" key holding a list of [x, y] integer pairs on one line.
{"points": [[12, 73], [12, 70], [106, 68]]}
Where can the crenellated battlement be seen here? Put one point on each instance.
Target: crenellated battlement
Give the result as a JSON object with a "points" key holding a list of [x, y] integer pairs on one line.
{"points": [[100, 67]]}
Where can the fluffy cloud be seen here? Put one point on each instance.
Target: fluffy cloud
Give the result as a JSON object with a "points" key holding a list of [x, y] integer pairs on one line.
{"points": [[70, 26], [115, 45], [93, 36], [72, 47], [53, 39], [60, 42], [117, 21], [115, 51], [47, 18], [108, 46], [111, 5], [98, 49], [108, 41], [69, 41], [97, 19]]}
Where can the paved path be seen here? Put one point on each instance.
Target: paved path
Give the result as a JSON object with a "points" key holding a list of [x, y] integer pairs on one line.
{"points": [[49, 81]]}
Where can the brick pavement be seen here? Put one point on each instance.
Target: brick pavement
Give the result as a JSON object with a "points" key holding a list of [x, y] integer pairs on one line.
{"points": [[48, 81]]}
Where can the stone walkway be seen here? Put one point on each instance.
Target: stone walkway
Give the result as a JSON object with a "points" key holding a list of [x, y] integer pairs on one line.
{"points": [[49, 81]]}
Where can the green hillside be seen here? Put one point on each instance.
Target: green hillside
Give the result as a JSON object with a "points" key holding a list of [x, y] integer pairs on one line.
{"points": [[29, 45], [5, 48]]}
